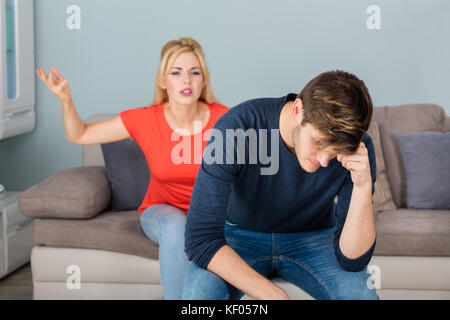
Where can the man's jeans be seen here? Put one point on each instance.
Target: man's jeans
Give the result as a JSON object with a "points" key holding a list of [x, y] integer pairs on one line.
{"points": [[304, 259], [165, 224]]}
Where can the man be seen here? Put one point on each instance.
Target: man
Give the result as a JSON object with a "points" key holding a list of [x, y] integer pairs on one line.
{"points": [[244, 227]]}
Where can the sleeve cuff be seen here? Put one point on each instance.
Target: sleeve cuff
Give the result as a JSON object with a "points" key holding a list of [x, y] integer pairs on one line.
{"points": [[202, 260], [357, 264]]}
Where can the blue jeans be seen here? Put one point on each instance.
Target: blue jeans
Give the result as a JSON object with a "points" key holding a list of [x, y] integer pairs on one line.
{"points": [[165, 224], [304, 259]]}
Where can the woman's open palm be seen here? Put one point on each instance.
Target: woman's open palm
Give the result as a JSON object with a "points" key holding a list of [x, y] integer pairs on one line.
{"points": [[58, 86]]}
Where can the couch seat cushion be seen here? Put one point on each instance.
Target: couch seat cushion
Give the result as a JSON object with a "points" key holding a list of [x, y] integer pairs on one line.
{"points": [[406, 232], [118, 231]]}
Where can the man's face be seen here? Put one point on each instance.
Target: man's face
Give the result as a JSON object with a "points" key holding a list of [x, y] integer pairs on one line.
{"points": [[309, 157]]}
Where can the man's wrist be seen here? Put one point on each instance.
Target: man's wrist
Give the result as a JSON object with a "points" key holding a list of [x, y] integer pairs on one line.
{"points": [[365, 188], [273, 292]]}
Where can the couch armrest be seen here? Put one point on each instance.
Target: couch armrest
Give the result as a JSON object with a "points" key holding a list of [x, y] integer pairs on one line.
{"points": [[76, 193]]}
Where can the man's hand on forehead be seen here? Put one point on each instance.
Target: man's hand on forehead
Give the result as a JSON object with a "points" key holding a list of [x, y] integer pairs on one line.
{"points": [[359, 166]]}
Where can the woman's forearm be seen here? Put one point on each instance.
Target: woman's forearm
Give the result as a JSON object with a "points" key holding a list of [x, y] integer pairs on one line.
{"points": [[73, 124]]}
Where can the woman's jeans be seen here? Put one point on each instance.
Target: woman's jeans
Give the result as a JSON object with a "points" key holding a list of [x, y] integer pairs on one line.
{"points": [[165, 224], [304, 259]]}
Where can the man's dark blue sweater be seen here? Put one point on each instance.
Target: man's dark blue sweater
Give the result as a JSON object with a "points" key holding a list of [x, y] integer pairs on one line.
{"points": [[286, 201]]}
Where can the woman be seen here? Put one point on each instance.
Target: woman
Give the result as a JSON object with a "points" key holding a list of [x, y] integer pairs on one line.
{"points": [[184, 107]]}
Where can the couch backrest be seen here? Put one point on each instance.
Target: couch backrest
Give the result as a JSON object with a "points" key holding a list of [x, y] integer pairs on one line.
{"points": [[397, 119], [404, 119], [92, 154]]}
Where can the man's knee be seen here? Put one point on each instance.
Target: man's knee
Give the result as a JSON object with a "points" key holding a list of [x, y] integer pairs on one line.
{"points": [[355, 286], [355, 294]]}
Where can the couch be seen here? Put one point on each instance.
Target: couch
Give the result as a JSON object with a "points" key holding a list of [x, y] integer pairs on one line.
{"points": [[115, 260]]}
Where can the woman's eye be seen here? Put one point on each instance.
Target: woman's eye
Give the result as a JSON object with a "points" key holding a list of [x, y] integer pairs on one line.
{"points": [[196, 73], [175, 73]]}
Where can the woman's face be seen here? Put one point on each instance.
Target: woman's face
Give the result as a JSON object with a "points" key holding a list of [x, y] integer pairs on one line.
{"points": [[184, 82]]}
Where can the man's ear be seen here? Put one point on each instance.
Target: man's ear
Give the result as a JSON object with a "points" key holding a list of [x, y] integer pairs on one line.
{"points": [[298, 110]]}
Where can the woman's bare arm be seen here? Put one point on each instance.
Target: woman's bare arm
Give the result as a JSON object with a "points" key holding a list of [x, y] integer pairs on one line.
{"points": [[77, 132]]}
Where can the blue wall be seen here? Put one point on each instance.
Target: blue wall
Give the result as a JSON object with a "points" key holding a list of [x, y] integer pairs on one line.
{"points": [[254, 48]]}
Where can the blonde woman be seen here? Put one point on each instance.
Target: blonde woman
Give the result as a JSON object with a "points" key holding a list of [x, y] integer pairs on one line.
{"points": [[184, 107]]}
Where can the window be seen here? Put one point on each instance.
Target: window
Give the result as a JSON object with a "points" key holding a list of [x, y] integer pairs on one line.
{"points": [[11, 9]]}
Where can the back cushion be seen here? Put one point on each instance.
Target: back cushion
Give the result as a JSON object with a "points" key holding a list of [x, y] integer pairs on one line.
{"points": [[128, 174], [126, 167], [404, 119], [426, 169], [382, 198]]}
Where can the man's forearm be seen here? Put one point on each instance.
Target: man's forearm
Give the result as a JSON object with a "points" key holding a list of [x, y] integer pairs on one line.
{"points": [[358, 233], [228, 265]]}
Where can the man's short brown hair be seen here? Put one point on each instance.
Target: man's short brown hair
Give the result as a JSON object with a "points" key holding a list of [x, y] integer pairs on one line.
{"points": [[338, 105]]}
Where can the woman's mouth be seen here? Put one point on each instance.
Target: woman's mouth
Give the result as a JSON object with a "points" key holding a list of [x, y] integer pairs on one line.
{"points": [[314, 164], [186, 92]]}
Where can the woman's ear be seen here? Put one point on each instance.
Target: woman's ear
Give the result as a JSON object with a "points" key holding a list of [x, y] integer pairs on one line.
{"points": [[162, 83]]}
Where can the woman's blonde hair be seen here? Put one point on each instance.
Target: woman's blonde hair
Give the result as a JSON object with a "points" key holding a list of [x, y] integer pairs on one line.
{"points": [[169, 53]]}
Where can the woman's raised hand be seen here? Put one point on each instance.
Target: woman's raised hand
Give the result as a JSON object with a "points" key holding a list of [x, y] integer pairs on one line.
{"points": [[58, 86]]}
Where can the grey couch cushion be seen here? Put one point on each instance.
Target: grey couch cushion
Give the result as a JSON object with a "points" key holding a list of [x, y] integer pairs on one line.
{"points": [[427, 169], [110, 230], [128, 174], [404, 119], [382, 198], [406, 232], [75, 193]]}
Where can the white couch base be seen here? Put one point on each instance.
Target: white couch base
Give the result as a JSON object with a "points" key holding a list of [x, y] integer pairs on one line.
{"points": [[96, 291], [112, 275]]}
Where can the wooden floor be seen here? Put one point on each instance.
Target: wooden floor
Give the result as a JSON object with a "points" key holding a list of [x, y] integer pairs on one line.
{"points": [[18, 285]]}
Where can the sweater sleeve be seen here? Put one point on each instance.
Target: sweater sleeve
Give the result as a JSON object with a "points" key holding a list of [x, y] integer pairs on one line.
{"points": [[204, 233], [344, 197]]}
